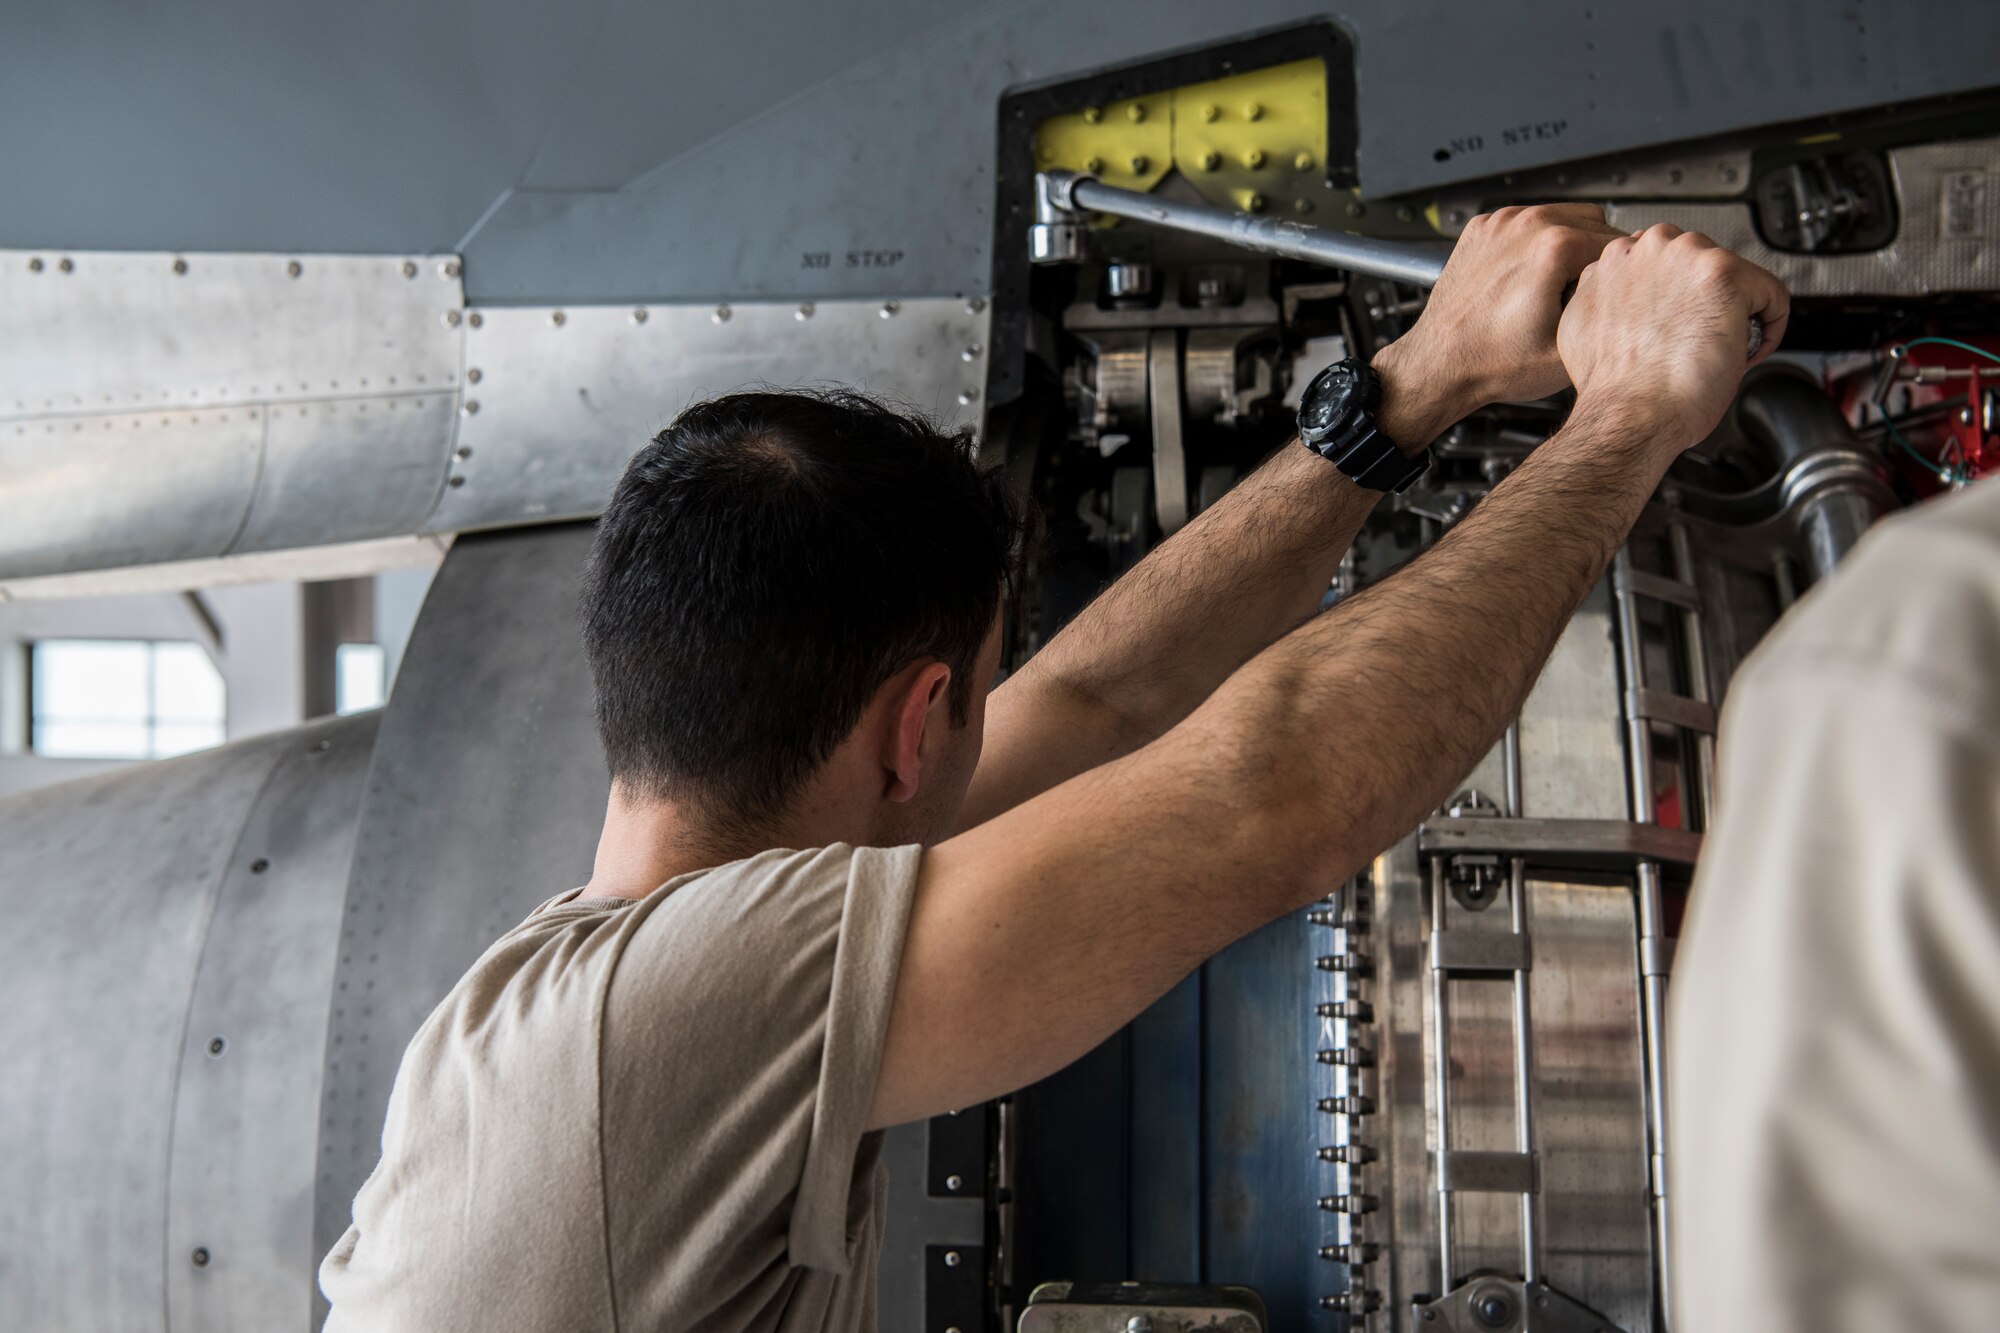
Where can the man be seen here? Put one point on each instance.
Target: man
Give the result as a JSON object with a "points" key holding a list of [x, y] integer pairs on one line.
{"points": [[654, 1105], [1835, 1012]]}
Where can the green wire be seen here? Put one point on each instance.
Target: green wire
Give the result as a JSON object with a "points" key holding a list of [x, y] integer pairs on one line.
{"points": [[1952, 342], [1944, 474]]}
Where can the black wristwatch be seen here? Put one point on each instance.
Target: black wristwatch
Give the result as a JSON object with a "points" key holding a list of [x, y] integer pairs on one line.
{"points": [[1337, 422]]}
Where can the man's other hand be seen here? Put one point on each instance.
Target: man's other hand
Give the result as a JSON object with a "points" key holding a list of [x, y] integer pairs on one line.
{"points": [[1490, 326], [1657, 331]]}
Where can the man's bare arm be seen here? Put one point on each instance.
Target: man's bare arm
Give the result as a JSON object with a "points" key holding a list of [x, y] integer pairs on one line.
{"points": [[1255, 565], [1326, 747]]}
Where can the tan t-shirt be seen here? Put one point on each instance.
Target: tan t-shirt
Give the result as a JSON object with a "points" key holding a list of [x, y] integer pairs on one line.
{"points": [[645, 1115], [1834, 1024]]}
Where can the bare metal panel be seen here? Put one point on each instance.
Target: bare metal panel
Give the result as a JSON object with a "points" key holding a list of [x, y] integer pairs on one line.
{"points": [[558, 399], [349, 470], [1948, 201], [1572, 756], [114, 888], [239, 1251]]}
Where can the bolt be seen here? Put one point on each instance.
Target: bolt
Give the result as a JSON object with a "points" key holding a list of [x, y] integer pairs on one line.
{"points": [[34, 266], [1618, 177], [1493, 1311], [954, 1182], [889, 309], [217, 1046], [260, 865], [475, 319], [1136, 112], [952, 1258], [293, 268], [180, 268], [471, 407], [1302, 205], [1252, 111], [66, 265], [968, 397], [448, 269], [1674, 175], [1729, 174], [1254, 158], [1139, 164], [409, 268], [1210, 160], [1356, 209], [1405, 214], [1562, 178], [1139, 1323], [973, 307], [558, 318], [720, 315], [322, 746], [464, 451], [1965, 416], [804, 312], [1093, 165], [1209, 111], [200, 1256], [1303, 162], [971, 353], [451, 318], [640, 314], [457, 482], [1257, 202], [474, 375], [1430, 1316], [1091, 115]]}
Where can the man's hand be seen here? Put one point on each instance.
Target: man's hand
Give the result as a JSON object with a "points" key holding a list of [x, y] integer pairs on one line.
{"points": [[1656, 332], [1489, 331]]}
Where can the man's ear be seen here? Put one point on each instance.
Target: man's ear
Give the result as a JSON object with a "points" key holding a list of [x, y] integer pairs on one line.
{"points": [[916, 711]]}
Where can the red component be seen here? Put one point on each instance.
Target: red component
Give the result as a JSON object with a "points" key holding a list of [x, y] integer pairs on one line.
{"points": [[1952, 380]]}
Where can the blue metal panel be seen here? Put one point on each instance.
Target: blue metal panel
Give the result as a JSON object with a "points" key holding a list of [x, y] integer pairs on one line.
{"points": [[1166, 1107]]}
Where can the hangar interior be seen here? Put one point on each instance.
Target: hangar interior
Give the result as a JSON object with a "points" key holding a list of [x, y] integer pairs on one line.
{"points": [[317, 320]]}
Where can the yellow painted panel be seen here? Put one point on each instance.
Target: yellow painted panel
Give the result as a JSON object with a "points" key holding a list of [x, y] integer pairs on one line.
{"points": [[1129, 144], [1256, 141]]}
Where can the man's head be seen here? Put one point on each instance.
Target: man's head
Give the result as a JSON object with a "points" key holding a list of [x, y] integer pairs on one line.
{"points": [[786, 579]]}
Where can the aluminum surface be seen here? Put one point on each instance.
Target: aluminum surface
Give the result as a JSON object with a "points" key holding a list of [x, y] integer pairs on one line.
{"points": [[1948, 202], [158, 407], [565, 396], [136, 922]]}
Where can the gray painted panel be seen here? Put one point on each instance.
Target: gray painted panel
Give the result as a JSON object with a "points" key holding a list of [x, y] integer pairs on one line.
{"points": [[631, 151], [240, 1182], [485, 798], [109, 883]]}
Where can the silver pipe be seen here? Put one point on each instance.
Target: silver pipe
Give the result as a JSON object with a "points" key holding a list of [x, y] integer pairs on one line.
{"points": [[1441, 1072], [1524, 1048], [1416, 264], [1694, 638]]}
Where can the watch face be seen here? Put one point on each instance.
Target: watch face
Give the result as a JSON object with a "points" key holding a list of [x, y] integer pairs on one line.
{"points": [[1326, 399]]}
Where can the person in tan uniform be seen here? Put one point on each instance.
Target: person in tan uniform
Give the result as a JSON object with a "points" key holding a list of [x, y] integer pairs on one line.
{"points": [[838, 888], [1834, 1019]]}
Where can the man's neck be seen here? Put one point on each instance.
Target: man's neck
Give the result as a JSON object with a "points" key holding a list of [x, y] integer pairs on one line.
{"points": [[647, 842]]}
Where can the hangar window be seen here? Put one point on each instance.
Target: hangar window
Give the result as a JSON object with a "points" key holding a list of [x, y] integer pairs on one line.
{"points": [[359, 671], [122, 698]]}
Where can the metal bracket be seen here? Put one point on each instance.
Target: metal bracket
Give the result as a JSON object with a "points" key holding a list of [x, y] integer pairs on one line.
{"points": [[1609, 844], [1489, 1173], [1478, 951], [1495, 1304]]}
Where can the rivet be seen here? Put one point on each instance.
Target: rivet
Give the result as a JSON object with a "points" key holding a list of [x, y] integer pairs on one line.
{"points": [[1618, 177], [1303, 162], [1136, 112], [721, 314], [1139, 164], [640, 315], [457, 482], [971, 353], [1257, 202], [968, 397], [1302, 205], [1210, 111], [409, 268], [1457, 215], [293, 268], [1254, 158], [200, 1256], [952, 1258], [319, 747], [475, 319], [474, 375], [889, 309], [1404, 214], [1562, 178], [1210, 160], [1729, 174], [1674, 175], [471, 407], [34, 266], [451, 318], [66, 265], [464, 451], [805, 311], [558, 318], [260, 865], [180, 267], [1091, 115], [975, 305], [448, 269], [1253, 111], [1356, 209], [954, 1182], [1093, 165], [216, 1046]]}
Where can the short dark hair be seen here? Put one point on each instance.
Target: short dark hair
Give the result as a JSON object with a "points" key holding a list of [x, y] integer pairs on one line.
{"points": [[764, 565]]}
